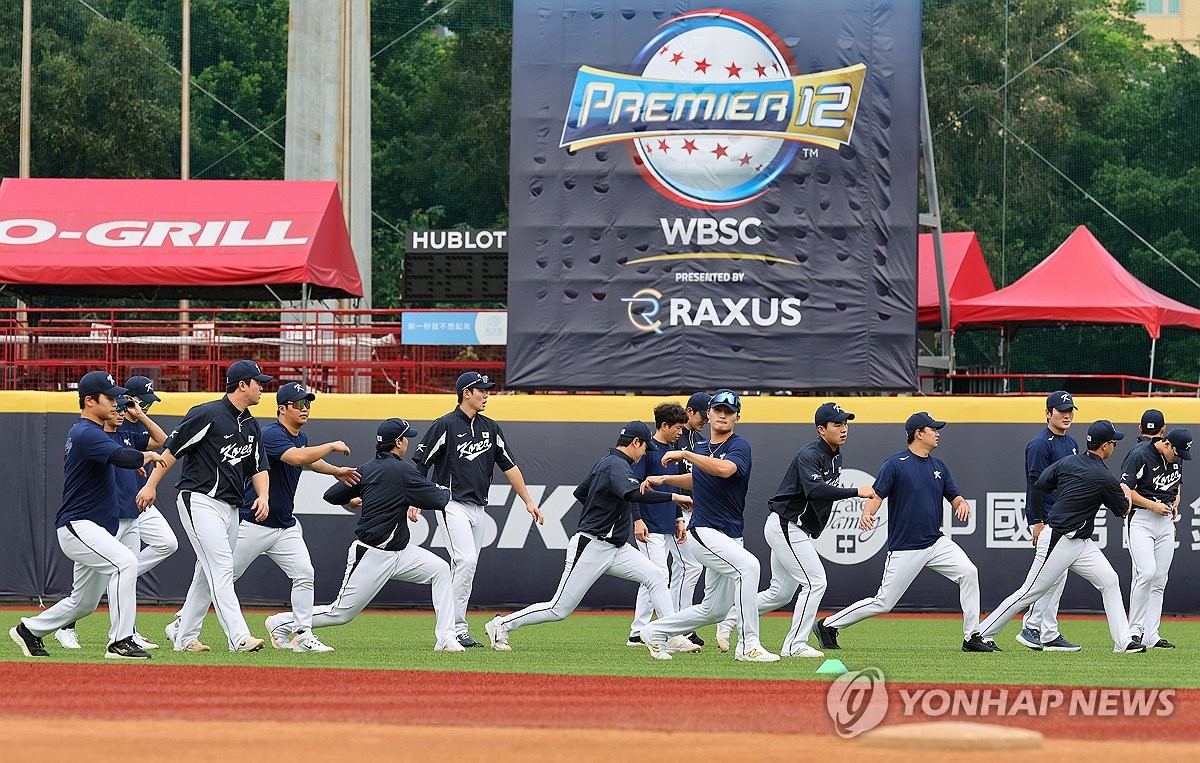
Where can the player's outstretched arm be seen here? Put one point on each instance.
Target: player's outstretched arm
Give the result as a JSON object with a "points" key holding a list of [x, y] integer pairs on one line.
{"points": [[517, 480]]}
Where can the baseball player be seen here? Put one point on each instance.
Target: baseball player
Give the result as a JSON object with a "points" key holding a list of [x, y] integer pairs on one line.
{"points": [[1152, 480], [799, 511], [391, 489], [1152, 427], [601, 544], [719, 479], [87, 524], [132, 427], [1084, 484], [915, 483], [220, 444], [689, 571], [1039, 631], [462, 448], [280, 536], [658, 526]]}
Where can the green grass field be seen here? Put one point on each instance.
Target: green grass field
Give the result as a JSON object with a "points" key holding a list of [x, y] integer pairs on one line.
{"points": [[906, 649]]}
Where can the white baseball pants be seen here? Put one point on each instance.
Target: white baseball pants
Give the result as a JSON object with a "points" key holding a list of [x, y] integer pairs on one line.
{"points": [[158, 536], [655, 549], [212, 527], [901, 567], [463, 525], [732, 581], [1056, 553], [795, 565], [587, 559], [685, 570], [369, 568], [1042, 615], [98, 556], [1152, 546]]}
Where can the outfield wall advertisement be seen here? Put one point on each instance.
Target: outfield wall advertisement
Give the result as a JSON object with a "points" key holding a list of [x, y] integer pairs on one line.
{"points": [[717, 193]]}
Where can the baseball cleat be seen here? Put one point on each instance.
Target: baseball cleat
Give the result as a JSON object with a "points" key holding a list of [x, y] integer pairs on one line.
{"points": [[1135, 646], [1162, 643], [635, 639], [31, 645], [658, 651], [681, 644], [723, 635], [280, 630], [143, 642], [692, 637], [194, 646], [826, 636], [306, 641], [68, 638], [450, 646], [802, 650], [172, 629], [977, 644], [467, 641], [497, 635], [756, 654], [1060, 644], [126, 649], [1030, 637], [248, 644]]}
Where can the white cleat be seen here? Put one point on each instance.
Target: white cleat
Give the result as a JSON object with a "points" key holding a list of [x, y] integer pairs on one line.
{"points": [[280, 630], [757, 654], [143, 642], [249, 644], [171, 630], [306, 641], [803, 650], [658, 651], [681, 644], [497, 634], [450, 646], [68, 638], [723, 635]]}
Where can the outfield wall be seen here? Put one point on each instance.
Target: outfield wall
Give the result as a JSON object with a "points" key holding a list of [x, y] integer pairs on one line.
{"points": [[557, 438]]}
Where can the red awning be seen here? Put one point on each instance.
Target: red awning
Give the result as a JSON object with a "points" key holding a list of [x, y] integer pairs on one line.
{"points": [[966, 274], [175, 239], [1080, 282]]}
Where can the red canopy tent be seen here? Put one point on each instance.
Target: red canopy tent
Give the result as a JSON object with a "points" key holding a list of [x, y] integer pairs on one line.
{"points": [[175, 239], [966, 275]]}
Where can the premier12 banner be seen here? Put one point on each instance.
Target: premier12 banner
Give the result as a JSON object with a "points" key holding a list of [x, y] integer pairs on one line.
{"points": [[714, 197]]}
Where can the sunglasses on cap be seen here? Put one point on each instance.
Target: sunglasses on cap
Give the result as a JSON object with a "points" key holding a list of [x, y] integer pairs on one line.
{"points": [[726, 398]]}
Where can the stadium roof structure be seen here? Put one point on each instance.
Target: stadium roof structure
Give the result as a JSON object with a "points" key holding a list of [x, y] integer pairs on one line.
{"points": [[175, 239], [966, 271]]}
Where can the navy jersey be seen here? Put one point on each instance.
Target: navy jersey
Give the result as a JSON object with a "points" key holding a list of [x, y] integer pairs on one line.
{"points": [[285, 478], [1151, 475], [221, 449], [1141, 440], [693, 441], [128, 481], [89, 479], [462, 451], [1044, 449], [606, 494], [659, 517], [810, 486], [1084, 483], [914, 487], [389, 485], [721, 501]]}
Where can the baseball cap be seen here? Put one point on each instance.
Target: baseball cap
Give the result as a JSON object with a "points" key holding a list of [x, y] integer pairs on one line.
{"points": [[831, 413], [96, 383], [1060, 401], [473, 379], [293, 392], [1152, 421], [1182, 440], [391, 430], [638, 429], [243, 370], [1102, 431], [726, 398], [920, 421], [141, 387], [699, 401]]}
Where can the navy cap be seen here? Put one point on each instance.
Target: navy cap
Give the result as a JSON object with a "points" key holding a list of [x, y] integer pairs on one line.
{"points": [[1152, 421], [293, 392], [699, 401], [393, 429], [1182, 440], [726, 398], [831, 413], [96, 383], [141, 387], [473, 379], [637, 429], [1100, 432], [920, 421], [243, 370], [1060, 401]]}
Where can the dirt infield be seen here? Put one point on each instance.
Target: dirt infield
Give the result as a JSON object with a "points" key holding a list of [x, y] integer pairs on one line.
{"points": [[53, 711]]}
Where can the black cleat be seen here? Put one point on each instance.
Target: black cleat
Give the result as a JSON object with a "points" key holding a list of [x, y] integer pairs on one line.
{"points": [[1135, 646], [31, 645], [635, 639], [467, 642], [695, 639], [826, 635], [126, 649], [977, 644], [1162, 643]]}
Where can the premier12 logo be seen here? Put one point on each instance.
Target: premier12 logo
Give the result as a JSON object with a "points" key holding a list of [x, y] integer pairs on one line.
{"points": [[714, 108]]}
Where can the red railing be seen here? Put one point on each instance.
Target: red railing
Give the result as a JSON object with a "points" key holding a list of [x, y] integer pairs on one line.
{"points": [[1079, 384], [332, 350]]}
